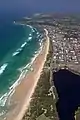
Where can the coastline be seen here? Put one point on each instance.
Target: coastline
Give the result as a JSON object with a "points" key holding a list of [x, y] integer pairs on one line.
{"points": [[25, 89]]}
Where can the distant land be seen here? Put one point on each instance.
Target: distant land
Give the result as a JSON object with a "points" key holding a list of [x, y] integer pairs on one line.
{"points": [[64, 35]]}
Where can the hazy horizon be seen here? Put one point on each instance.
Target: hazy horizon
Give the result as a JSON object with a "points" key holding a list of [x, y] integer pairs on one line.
{"points": [[28, 7]]}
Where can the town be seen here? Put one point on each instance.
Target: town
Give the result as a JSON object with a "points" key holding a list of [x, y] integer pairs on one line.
{"points": [[64, 33]]}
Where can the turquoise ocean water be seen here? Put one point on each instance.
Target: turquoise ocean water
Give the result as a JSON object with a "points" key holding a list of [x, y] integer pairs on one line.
{"points": [[19, 45]]}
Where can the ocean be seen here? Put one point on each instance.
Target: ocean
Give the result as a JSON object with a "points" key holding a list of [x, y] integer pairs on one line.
{"points": [[19, 45]]}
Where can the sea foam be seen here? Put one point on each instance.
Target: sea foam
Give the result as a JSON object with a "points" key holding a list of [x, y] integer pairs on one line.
{"points": [[3, 67], [23, 72], [19, 49], [30, 38], [3, 99], [30, 34], [15, 53], [23, 45]]}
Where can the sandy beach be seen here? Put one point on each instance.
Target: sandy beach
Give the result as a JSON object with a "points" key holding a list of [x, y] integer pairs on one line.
{"points": [[26, 88]]}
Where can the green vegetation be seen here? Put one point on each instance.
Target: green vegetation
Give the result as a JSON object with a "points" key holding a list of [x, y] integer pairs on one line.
{"points": [[77, 114], [42, 117]]}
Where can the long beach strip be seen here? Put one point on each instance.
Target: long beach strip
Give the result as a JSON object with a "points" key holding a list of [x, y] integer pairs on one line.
{"points": [[26, 88]]}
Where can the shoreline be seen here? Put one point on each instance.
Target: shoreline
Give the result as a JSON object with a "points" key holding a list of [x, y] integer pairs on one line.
{"points": [[28, 84]]}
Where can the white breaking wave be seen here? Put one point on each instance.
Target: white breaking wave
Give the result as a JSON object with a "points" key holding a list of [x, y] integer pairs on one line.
{"points": [[29, 38], [19, 49], [23, 44], [25, 67], [2, 113], [15, 53], [3, 67], [17, 82], [40, 43], [30, 34], [3, 99], [37, 33], [33, 30], [29, 26]]}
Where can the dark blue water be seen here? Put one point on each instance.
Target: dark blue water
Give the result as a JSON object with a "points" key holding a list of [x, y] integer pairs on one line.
{"points": [[68, 88]]}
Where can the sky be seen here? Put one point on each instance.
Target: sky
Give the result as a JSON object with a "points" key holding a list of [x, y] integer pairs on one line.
{"points": [[26, 7]]}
